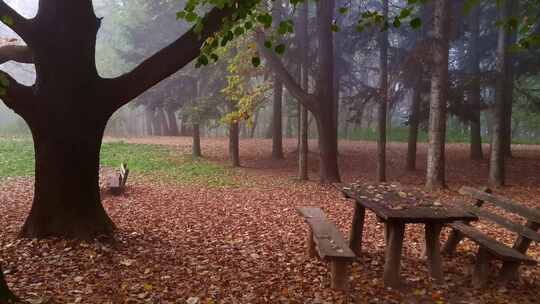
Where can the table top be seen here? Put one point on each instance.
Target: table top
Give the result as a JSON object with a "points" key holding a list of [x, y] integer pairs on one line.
{"points": [[393, 203]]}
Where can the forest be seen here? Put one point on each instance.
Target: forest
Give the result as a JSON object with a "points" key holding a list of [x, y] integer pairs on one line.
{"points": [[226, 151]]}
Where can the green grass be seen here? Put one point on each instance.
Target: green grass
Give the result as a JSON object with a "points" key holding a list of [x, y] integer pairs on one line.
{"points": [[151, 161], [402, 135]]}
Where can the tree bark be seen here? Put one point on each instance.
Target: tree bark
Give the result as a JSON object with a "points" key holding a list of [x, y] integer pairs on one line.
{"points": [[413, 126], [148, 117], [325, 121], [497, 157], [474, 92], [435, 176], [196, 140], [66, 196], [277, 121], [162, 121], [303, 115], [383, 102], [234, 143]]}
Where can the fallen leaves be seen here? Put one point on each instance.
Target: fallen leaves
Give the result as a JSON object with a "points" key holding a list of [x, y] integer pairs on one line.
{"points": [[245, 244]]}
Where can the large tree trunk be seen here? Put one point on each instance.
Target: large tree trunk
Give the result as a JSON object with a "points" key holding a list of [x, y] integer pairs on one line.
{"points": [[325, 92], [66, 196], [6, 296], [68, 108], [435, 176], [497, 157], [474, 92], [383, 102], [277, 125]]}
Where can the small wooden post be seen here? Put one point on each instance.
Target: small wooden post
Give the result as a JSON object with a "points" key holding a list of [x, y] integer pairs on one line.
{"points": [[510, 270], [311, 251], [481, 268], [340, 274], [357, 229], [392, 264], [433, 250]]}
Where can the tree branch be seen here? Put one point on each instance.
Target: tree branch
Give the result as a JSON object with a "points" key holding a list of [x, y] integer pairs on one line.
{"points": [[17, 97], [306, 99], [18, 53], [15, 21], [164, 63]]}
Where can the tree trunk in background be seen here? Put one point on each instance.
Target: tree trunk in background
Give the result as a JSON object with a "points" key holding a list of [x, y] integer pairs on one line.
{"points": [[164, 127], [325, 92], [435, 175], [413, 126], [148, 118], [303, 73], [254, 125], [509, 85], [234, 143], [156, 124], [474, 92], [173, 125], [6, 296], [196, 147], [497, 157], [383, 102], [277, 122]]}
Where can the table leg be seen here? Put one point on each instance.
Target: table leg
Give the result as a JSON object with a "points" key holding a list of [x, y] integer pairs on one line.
{"points": [[433, 250], [394, 244], [357, 229]]}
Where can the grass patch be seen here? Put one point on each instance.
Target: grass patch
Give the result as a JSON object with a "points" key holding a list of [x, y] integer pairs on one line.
{"points": [[153, 161]]}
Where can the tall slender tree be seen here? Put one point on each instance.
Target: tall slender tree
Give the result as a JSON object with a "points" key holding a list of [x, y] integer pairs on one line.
{"points": [[383, 102], [474, 86], [497, 155], [435, 176]]}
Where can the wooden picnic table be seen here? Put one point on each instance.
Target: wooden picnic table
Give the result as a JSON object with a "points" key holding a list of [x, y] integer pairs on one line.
{"points": [[396, 207]]}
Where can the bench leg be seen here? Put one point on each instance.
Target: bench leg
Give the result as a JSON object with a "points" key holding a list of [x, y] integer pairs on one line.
{"points": [[339, 271], [357, 229], [481, 268], [509, 272], [311, 251], [433, 251], [394, 244], [451, 244]]}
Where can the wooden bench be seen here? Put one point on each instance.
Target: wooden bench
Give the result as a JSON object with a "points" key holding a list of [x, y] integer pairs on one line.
{"points": [[489, 248], [117, 182], [326, 241]]}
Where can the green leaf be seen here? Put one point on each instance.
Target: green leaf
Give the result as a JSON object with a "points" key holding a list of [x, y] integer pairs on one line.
{"points": [[8, 20], [256, 61], [335, 28], [280, 49], [239, 31], [416, 23], [343, 10], [268, 44], [397, 22]]}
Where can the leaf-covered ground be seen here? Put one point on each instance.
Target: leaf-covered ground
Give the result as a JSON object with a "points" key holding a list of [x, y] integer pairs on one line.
{"points": [[244, 243]]}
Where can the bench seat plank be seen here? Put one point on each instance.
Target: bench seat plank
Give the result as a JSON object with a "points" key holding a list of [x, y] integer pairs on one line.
{"points": [[514, 227], [494, 247], [329, 240]]}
